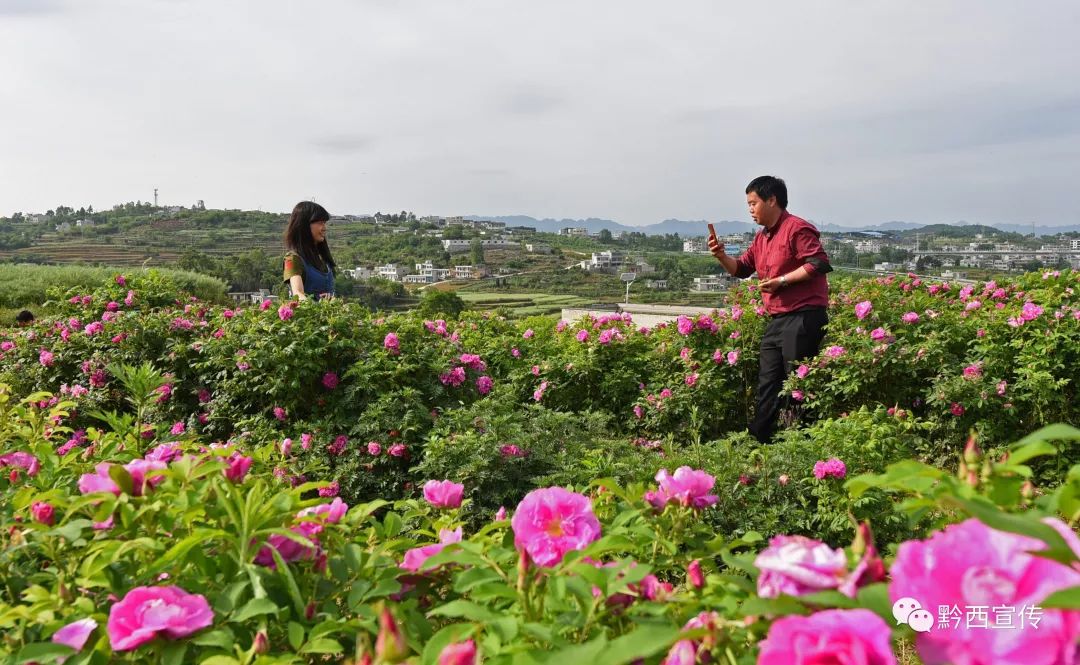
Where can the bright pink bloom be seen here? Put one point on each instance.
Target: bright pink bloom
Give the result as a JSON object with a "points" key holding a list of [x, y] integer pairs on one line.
{"points": [[416, 557], [373, 448], [331, 513], [687, 487], [691, 379], [685, 325], [149, 612], [330, 490], [285, 312], [398, 450], [238, 467], [280, 414], [177, 428], [798, 395], [391, 343], [454, 377], [582, 335], [21, 460], [483, 384], [552, 521], [45, 357], [458, 653], [1001, 387], [834, 351], [443, 493], [330, 380], [969, 564], [833, 468], [305, 441], [858, 637], [472, 360], [796, 565], [528, 334], [286, 447], [732, 357], [337, 447], [120, 280], [957, 409], [694, 575], [862, 309], [43, 512], [973, 371], [802, 371], [265, 305], [74, 634]]}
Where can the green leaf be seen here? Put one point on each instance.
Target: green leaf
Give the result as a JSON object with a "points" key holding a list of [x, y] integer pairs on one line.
{"points": [[323, 645], [1049, 433], [1066, 599], [173, 653], [41, 651], [455, 632], [223, 638], [177, 551], [255, 607], [122, 478], [296, 635], [646, 641], [219, 660], [290, 582], [466, 610], [1030, 450]]}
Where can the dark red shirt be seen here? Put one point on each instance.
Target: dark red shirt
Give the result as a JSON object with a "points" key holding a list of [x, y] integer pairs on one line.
{"points": [[791, 243]]}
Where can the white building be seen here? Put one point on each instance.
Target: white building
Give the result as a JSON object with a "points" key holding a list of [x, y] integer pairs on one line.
{"points": [[537, 248], [868, 246], [656, 283], [606, 260], [696, 246], [467, 272], [360, 272], [500, 243], [456, 246], [391, 271], [575, 232], [712, 283], [1074, 243], [85, 223]]}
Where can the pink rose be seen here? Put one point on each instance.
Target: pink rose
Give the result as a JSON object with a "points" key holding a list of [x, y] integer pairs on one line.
{"points": [[458, 653], [238, 467], [551, 521], [330, 380], [833, 636], [687, 487], [43, 512], [391, 343], [373, 448], [694, 576], [862, 309], [483, 384], [796, 565], [416, 557], [443, 493], [969, 564], [74, 634], [149, 612], [732, 357]]}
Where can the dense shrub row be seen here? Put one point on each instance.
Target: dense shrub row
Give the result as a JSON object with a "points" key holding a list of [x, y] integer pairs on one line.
{"points": [[188, 483]]}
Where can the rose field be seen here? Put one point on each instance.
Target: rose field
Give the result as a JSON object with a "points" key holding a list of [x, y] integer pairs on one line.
{"points": [[309, 482]]}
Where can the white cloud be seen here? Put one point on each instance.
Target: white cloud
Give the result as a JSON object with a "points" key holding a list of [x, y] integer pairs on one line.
{"points": [[872, 111]]}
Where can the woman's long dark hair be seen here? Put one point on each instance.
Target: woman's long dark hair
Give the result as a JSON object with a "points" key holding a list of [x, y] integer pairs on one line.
{"points": [[298, 236]]}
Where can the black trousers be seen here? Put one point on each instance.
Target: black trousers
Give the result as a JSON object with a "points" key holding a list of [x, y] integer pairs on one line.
{"points": [[788, 338]]}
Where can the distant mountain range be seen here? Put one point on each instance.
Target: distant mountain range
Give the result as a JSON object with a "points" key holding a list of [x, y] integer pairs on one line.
{"points": [[688, 229]]}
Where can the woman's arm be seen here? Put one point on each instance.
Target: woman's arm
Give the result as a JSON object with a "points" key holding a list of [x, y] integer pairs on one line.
{"points": [[296, 282]]}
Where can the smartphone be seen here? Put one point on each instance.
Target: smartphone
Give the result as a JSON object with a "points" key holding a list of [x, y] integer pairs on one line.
{"points": [[712, 231]]}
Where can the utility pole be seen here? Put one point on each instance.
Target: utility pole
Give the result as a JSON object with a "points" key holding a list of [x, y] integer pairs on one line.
{"points": [[155, 197]]}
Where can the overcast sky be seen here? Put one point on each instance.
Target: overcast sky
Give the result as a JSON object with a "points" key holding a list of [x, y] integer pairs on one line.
{"points": [[628, 110]]}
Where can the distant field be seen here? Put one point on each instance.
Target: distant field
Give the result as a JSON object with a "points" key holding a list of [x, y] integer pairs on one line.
{"points": [[522, 304]]}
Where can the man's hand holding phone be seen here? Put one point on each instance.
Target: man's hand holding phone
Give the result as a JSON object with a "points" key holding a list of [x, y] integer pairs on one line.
{"points": [[716, 248]]}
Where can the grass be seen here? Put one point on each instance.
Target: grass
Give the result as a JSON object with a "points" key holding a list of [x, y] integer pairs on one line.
{"points": [[26, 285]]}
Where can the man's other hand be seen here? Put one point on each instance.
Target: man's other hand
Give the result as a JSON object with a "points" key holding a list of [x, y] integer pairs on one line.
{"points": [[770, 285]]}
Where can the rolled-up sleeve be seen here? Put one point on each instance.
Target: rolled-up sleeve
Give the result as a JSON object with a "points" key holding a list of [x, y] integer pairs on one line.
{"points": [[806, 245], [745, 265]]}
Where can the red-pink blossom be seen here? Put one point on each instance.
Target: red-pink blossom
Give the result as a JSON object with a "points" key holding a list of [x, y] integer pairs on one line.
{"points": [[831, 636], [443, 493], [149, 612], [552, 521]]}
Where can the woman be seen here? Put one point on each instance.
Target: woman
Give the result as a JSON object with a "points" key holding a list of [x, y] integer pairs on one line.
{"points": [[309, 266]]}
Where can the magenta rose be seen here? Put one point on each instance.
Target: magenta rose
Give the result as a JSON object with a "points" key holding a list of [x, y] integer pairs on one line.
{"points": [[551, 521], [75, 634], [458, 653], [443, 493], [417, 556], [687, 487], [971, 565], [833, 636], [147, 612], [797, 565]]}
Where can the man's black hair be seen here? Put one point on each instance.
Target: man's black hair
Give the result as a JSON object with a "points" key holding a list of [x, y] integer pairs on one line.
{"points": [[25, 316], [767, 186]]}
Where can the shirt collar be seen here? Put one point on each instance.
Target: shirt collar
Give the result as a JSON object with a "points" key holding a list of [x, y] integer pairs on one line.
{"points": [[783, 215]]}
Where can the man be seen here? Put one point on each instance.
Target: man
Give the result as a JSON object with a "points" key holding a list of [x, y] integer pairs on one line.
{"points": [[791, 266]]}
